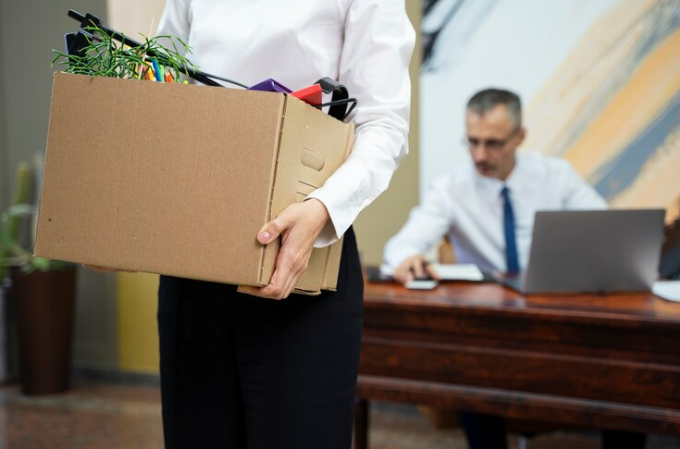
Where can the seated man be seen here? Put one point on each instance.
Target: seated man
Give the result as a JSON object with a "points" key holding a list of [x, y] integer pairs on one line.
{"points": [[487, 211]]}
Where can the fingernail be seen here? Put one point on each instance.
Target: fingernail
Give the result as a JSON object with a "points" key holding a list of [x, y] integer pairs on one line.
{"points": [[263, 237]]}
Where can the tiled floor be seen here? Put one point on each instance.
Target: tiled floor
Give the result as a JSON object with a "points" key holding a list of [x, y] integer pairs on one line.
{"points": [[92, 415], [115, 415]]}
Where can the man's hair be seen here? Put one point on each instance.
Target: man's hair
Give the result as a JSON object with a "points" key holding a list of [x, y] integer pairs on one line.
{"points": [[487, 99]]}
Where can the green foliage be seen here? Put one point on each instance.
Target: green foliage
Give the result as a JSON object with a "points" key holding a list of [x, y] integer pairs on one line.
{"points": [[12, 253], [104, 56]]}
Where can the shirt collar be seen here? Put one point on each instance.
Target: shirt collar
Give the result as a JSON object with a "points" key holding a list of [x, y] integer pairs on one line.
{"points": [[493, 186], [514, 181]]}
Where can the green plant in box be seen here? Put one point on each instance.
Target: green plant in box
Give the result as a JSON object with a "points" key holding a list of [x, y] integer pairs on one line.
{"points": [[104, 56]]}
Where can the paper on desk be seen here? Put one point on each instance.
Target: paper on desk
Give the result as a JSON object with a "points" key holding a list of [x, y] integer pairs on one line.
{"points": [[458, 272], [447, 272], [669, 290]]}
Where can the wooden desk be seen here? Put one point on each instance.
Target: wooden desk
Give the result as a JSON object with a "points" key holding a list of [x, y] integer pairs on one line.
{"points": [[601, 361]]}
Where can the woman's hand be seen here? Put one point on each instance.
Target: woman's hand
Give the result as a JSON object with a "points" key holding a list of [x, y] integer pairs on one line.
{"points": [[298, 225]]}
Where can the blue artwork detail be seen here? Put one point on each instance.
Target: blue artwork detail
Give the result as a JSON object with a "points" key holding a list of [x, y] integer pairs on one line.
{"points": [[619, 173]]}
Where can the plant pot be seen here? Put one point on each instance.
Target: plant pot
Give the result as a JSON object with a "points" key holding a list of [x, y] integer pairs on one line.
{"points": [[8, 339], [44, 303]]}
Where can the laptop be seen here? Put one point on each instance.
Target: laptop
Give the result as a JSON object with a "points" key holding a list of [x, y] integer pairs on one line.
{"points": [[592, 251]]}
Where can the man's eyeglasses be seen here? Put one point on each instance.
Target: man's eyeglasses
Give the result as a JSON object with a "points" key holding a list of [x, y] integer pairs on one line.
{"points": [[490, 144]]}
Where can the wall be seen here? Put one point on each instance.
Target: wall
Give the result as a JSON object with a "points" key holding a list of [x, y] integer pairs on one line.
{"points": [[134, 17], [29, 30], [4, 152], [600, 80]]}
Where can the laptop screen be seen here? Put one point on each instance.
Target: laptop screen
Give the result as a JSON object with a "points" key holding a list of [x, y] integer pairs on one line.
{"points": [[594, 251]]}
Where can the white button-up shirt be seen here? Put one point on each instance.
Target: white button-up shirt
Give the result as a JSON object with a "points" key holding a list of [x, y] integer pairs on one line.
{"points": [[364, 44], [469, 208]]}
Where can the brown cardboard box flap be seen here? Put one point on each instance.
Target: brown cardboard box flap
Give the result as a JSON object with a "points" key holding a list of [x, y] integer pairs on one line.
{"points": [[308, 155]]}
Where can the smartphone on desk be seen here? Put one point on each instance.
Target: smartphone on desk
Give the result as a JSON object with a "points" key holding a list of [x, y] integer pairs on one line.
{"points": [[422, 284]]}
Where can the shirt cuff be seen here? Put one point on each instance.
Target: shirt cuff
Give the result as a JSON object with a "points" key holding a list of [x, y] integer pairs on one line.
{"points": [[338, 222]]}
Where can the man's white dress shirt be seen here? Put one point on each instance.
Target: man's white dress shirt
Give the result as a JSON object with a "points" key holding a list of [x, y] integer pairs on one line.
{"points": [[469, 208], [364, 44]]}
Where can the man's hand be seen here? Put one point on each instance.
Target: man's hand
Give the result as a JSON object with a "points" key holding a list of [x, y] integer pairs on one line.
{"points": [[414, 267], [298, 225]]}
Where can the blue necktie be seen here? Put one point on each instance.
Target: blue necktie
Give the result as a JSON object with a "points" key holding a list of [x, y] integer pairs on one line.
{"points": [[511, 258]]}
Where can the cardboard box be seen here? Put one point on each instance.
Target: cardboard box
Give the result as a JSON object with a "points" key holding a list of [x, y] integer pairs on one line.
{"points": [[178, 179]]}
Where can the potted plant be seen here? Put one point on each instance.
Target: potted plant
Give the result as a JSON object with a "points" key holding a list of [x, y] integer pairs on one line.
{"points": [[9, 234], [42, 293]]}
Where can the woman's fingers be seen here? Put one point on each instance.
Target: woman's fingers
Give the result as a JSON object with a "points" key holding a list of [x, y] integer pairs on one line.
{"points": [[298, 225]]}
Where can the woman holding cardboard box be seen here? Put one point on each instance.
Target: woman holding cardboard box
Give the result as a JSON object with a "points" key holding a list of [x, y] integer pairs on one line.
{"points": [[237, 368]]}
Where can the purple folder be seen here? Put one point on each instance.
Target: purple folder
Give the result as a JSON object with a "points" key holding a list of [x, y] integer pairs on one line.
{"points": [[270, 85]]}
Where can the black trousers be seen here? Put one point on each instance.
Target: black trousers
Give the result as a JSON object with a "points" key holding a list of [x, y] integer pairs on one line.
{"points": [[488, 432], [244, 372]]}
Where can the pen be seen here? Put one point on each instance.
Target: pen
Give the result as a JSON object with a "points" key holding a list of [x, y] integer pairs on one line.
{"points": [[157, 70]]}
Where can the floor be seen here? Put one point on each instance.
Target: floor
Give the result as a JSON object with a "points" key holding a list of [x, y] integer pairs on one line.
{"points": [[111, 414]]}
